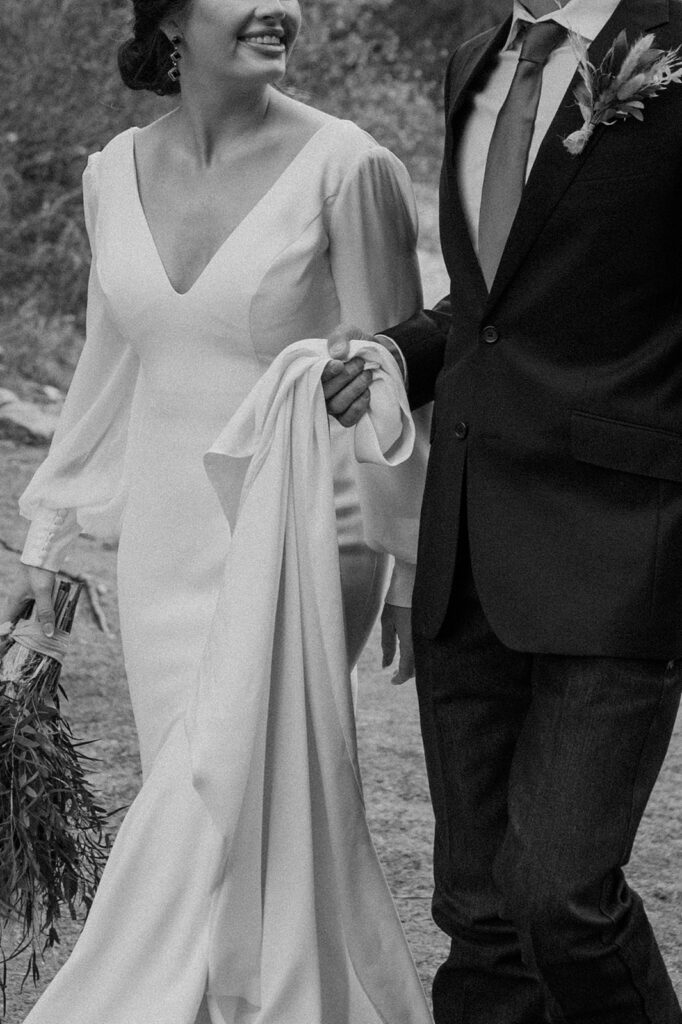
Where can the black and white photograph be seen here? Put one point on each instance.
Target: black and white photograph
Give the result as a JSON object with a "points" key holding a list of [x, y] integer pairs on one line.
{"points": [[341, 512]]}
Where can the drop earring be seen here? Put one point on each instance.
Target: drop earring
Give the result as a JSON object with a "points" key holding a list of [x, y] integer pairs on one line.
{"points": [[175, 57]]}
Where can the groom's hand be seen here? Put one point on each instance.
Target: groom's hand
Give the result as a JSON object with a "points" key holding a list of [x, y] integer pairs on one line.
{"points": [[345, 382], [396, 634]]}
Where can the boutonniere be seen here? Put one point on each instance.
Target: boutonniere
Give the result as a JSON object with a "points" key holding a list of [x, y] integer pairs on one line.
{"points": [[618, 88]]}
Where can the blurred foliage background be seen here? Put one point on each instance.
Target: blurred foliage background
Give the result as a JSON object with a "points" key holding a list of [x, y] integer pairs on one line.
{"points": [[378, 62]]}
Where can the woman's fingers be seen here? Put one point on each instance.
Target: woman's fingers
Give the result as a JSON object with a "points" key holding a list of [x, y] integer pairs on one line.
{"points": [[396, 633], [333, 368], [16, 597], [389, 637], [13, 607], [353, 413], [338, 343], [337, 375], [345, 382], [347, 393], [42, 585], [405, 667], [35, 585]]}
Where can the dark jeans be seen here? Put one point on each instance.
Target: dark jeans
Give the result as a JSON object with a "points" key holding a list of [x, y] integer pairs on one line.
{"points": [[540, 768]]}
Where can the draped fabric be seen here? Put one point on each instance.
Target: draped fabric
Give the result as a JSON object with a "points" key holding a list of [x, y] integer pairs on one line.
{"points": [[272, 735]]}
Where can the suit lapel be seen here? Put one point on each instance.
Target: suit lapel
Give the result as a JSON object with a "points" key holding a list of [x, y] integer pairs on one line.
{"points": [[479, 54], [554, 168]]}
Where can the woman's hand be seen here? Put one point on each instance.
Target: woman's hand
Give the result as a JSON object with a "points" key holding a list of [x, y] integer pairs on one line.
{"points": [[396, 637], [34, 584], [345, 382]]}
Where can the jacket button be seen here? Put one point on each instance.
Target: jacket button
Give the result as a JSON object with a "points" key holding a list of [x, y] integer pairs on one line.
{"points": [[490, 335], [461, 430]]}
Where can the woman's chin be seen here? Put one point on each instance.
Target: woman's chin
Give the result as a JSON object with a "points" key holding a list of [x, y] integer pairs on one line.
{"points": [[264, 58], [265, 50], [270, 67]]}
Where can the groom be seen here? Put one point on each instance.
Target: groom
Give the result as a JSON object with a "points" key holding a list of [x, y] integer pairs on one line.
{"points": [[548, 601]]}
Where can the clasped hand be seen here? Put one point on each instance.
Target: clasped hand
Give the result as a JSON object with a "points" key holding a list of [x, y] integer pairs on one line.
{"points": [[346, 384], [34, 584]]}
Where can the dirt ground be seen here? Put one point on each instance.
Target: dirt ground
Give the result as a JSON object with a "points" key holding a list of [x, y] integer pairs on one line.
{"points": [[391, 754]]}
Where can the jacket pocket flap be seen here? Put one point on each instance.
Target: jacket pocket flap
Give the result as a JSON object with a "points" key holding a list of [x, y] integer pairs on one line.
{"points": [[628, 447]]}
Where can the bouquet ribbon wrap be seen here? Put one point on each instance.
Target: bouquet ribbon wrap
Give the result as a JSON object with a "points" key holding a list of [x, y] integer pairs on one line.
{"points": [[31, 636]]}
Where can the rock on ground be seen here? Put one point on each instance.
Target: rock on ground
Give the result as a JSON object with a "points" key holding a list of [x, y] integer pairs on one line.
{"points": [[25, 422]]}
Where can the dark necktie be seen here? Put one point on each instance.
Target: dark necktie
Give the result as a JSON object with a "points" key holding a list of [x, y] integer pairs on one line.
{"points": [[505, 169]]}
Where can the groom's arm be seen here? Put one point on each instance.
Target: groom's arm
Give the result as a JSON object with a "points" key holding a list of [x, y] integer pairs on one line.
{"points": [[421, 341], [418, 345]]}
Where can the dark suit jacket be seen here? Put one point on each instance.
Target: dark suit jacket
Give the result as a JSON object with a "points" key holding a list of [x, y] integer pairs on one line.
{"points": [[560, 393]]}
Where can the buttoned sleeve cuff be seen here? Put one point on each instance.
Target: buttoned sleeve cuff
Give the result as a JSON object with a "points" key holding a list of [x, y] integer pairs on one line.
{"points": [[50, 538], [402, 584], [394, 349]]}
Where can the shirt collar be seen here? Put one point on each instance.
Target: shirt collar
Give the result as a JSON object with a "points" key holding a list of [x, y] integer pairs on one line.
{"points": [[586, 17]]}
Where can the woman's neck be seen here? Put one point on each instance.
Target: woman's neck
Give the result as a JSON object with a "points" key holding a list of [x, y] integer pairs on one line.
{"points": [[210, 120]]}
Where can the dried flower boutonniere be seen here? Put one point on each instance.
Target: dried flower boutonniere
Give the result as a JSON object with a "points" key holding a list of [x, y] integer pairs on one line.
{"points": [[617, 89]]}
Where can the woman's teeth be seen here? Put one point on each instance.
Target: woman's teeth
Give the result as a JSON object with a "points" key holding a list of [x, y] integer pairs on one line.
{"points": [[275, 42]]}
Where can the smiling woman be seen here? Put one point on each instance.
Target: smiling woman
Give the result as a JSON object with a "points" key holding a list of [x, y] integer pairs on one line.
{"points": [[236, 224], [145, 61]]}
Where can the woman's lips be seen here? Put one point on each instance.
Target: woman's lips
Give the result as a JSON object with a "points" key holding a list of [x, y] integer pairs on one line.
{"points": [[264, 42]]}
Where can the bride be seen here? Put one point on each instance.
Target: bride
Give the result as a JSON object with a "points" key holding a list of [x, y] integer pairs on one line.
{"points": [[231, 227]]}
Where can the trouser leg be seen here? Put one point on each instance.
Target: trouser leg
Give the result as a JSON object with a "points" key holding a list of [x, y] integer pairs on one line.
{"points": [[590, 750], [474, 696], [540, 769]]}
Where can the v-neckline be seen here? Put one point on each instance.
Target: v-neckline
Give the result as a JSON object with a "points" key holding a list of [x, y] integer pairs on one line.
{"points": [[237, 228]]}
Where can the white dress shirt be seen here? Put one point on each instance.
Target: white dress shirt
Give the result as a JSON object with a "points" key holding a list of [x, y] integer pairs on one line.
{"points": [[585, 17]]}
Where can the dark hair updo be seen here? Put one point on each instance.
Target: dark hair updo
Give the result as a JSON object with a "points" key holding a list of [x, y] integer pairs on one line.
{"points": [[144, 60]]}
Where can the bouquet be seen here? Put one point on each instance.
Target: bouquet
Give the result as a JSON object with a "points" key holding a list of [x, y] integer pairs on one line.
{"points": [[53, 843]]}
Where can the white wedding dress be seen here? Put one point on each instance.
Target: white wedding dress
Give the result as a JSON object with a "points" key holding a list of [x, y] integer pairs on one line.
{"points": [[160, 376]]}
